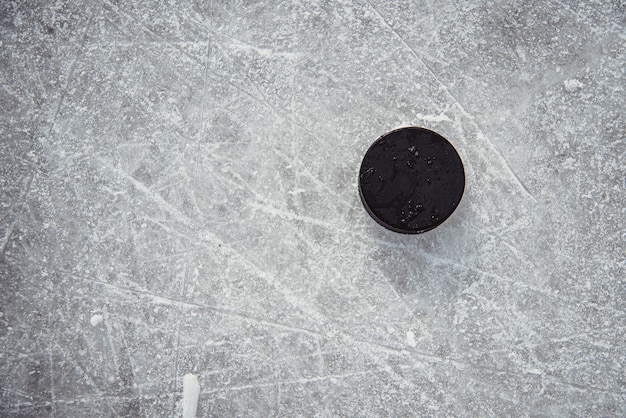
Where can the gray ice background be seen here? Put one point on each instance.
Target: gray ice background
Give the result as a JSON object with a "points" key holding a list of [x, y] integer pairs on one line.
{"points": [[178, 194]]}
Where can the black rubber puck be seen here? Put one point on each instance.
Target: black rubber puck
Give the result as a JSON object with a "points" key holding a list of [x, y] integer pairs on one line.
{"points": [[411, 180]]}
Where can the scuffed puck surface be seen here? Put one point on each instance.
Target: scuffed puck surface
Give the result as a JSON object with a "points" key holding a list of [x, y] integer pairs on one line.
{"points": [[411, 180]]}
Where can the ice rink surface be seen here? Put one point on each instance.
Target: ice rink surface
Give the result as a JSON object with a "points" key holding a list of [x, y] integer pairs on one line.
{"points": [[178, 195]]}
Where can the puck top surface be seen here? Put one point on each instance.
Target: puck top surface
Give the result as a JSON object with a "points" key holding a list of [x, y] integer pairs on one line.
{"points": [[411, 180]]}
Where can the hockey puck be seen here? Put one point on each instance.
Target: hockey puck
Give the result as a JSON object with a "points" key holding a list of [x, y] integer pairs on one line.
{"points": [[411, 180]]}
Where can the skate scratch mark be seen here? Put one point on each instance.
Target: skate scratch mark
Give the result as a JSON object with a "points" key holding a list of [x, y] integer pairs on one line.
{"points": [[458, 104]]}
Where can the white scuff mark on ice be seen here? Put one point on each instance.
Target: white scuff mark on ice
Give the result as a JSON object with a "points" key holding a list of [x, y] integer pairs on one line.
{"points": [[573, 85], [191, 392], [410, 339], [569, 162], [434, 118], [163, 301], [460, 316], [297, 191], [520, 52], [264, 52], [96, 320]]}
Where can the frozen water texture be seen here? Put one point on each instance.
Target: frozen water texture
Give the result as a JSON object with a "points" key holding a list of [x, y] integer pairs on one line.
{"points": [[178, 194]]}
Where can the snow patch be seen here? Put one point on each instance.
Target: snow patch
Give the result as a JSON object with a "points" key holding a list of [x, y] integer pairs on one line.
{"points": [[410, 339], [191, 392], [572, 85], [96, 320]]}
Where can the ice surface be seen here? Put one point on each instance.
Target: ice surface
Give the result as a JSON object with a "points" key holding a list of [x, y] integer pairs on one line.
{"points": [[178, 194]]}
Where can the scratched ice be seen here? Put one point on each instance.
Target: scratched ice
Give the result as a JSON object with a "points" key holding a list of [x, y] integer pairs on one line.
{"points": [[178, 196]]}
